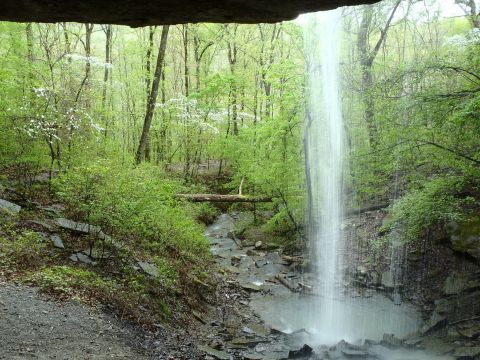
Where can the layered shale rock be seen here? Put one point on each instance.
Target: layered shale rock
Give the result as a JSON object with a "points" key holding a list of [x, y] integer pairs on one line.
{"points": [[159, 12]]}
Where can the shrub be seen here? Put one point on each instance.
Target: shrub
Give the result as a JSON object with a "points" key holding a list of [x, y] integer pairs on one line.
{"points": [[439, 202], [21, 250], [136, 205], [67, 280]]}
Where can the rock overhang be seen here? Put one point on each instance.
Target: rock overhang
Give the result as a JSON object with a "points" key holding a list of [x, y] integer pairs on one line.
{"points": [[160, 12]]}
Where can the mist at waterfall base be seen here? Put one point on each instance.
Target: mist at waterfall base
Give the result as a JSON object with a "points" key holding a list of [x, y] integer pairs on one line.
{"points": [[333, 315]]}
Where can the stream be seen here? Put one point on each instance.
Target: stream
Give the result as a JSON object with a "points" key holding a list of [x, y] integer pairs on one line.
{"points": [[286, 314]]}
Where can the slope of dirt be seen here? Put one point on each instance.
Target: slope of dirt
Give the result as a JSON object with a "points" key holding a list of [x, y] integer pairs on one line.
{"points": [[34, 327]]}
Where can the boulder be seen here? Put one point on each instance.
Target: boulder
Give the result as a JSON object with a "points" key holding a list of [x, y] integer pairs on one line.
{"points": [[244, 342], [305, 351], [436, 321], [81, 257], [148, 268], [44, 224], [355, 354], [390, 341], [467, 353], [78, 227], [470, 332], [465, 236], [455, 283], [57, 241], [9, 206], [251, 287], [387, 280], [216, 354]]}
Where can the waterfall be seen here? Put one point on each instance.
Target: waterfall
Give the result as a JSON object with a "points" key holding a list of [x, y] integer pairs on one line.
{"points": [[334, 315], [324, 148]]}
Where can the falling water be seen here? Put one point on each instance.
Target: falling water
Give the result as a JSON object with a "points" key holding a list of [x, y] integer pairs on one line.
{"points": [[324, 160], [334, 315]]}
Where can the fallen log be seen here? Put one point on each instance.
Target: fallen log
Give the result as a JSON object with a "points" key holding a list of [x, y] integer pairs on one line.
{"points": [[359, 211], [223, 198]]}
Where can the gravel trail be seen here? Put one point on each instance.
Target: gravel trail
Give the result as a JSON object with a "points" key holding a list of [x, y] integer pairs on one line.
{"points": [[32, 326]]}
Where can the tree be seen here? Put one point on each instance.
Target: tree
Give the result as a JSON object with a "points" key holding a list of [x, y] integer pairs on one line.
{"points": [[367, 57], [153, 96], [471, 11]]}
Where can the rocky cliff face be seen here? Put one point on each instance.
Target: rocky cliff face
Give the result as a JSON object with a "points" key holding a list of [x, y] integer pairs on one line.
{"points": [[159, 12]]}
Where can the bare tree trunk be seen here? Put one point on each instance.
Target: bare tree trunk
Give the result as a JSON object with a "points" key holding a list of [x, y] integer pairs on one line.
{"points": [[88, 49], [185, 60], [153, 96], [106, 74], [367, 58], [232, 59], [29, 36], [88, 54], [148, 80], [470, 9], [148, 70]]}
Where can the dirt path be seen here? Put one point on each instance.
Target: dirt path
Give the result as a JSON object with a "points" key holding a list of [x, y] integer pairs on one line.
{"points": [[34, 327]]}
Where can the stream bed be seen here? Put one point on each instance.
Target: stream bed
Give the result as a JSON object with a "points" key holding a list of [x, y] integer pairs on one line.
{"points": [[286, 314]]}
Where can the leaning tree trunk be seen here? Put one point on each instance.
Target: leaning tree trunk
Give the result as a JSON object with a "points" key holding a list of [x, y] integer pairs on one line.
{"points": [[153, 96]]}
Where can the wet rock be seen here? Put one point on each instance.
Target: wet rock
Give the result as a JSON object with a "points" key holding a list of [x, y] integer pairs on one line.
{"points": [[247, 330], [216, 354], [303, 352], [276, 331], [148, 268], [471, 332], [438, 346], [9, 206], [465, 236], [261, 263], [387, 280], [251, 252], [455, 283], [216, 344], [78, 227], [253, 357], [199, 317], [57, 241], [243, 343], [258, 245], [355, 354], [251, 287], [256, 329], [390, 341], [436, 321], [463, 306], [232, 269], [467, 353], [361, 272], [397, 298], [413, 342]]}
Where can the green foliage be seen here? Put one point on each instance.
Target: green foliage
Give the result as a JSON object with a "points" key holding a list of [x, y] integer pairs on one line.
{"points": [[71, 281], [439, 202], [20, 250], [135, 205]]}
